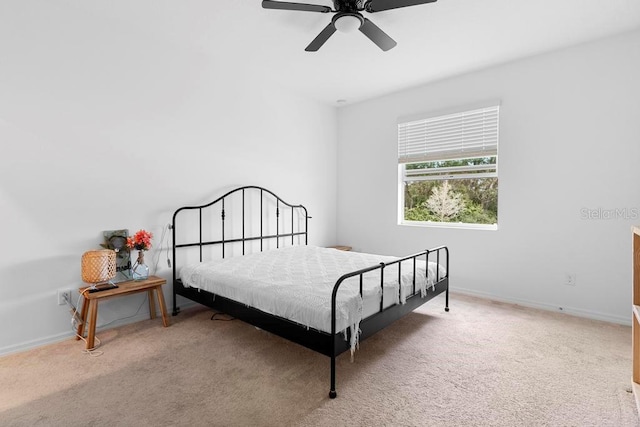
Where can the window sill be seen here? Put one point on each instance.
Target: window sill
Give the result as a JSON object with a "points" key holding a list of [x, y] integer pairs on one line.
{"points": [[459, 225]]}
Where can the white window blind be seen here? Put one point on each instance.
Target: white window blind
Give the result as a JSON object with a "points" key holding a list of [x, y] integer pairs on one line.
{"points": [[462, 135]]}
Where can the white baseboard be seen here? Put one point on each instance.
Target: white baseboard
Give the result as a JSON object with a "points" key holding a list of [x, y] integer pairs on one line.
{"points": [[549, 307], [28, 345], [52, 339]]}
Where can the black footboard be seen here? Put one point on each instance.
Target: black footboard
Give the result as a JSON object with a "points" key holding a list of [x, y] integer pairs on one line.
{"points": [[386, 316]]}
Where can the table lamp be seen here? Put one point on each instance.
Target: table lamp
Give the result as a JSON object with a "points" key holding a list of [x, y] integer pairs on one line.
{"points": [[98, 268]]}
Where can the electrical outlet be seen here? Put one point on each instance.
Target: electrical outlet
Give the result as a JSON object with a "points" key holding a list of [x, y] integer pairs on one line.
{"points": [[570, 279], [64, 295]]}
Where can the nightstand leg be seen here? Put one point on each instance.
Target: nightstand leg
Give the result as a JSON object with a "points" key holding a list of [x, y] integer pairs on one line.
{"points": [[163, 308], [93, 317], [152, 304], [83, 316]]}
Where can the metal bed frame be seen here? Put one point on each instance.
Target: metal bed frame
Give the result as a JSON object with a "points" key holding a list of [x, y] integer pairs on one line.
{"points": [[332, 344]]}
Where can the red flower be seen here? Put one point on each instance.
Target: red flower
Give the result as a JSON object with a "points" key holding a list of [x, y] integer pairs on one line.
{"points": [[140, 241]]}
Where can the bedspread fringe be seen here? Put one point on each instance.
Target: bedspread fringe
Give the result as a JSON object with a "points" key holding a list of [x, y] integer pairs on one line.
{"points": [[355, 338], [426, 286]]}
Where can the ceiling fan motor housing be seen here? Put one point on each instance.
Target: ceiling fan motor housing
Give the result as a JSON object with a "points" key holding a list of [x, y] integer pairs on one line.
{"points": [[348, 5]]}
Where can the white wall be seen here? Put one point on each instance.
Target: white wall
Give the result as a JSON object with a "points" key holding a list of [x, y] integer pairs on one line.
{"points": [[102, 127], [569, 140]]}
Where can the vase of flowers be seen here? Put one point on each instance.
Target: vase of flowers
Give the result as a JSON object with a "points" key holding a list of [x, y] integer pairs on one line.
{"points": [[141, 241]]}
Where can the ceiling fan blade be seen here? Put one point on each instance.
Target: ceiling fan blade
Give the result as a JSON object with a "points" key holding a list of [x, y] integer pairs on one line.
{"points": [[380, 5], [268, 4], [321, 38], [376, 35]]}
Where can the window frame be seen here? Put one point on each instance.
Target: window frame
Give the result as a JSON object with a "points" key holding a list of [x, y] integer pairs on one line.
{"points": [[446, 173]]}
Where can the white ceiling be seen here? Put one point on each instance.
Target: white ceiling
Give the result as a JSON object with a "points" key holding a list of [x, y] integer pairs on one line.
{"points": [[435, 40]]}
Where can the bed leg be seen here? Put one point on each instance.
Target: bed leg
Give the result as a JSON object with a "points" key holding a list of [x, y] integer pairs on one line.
{"points": [[332, 392], [176, 309], [446, 298]]}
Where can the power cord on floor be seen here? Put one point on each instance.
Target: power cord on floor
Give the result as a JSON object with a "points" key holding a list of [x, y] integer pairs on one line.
{"points": [[93, 352], [75, 322], [227, 318]]}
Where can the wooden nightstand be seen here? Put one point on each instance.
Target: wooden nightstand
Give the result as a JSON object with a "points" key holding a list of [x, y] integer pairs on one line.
{"points": [[341, 247], [91, 299]]}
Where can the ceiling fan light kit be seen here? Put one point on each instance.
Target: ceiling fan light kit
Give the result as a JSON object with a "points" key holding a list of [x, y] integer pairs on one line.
{"points": [[347, 23], [348, 18]]}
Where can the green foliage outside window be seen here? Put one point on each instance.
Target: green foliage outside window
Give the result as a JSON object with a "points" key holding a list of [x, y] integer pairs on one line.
{"points": [[465, 200]]}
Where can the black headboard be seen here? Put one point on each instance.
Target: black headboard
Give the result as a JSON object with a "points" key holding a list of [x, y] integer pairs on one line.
{"points": [[248, 214]]}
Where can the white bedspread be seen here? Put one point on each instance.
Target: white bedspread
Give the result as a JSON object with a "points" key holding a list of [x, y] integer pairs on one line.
{"points": [[296, 283]]}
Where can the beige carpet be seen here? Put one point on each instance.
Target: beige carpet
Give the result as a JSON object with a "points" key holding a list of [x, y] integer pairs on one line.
{"points": [[481, 364]]}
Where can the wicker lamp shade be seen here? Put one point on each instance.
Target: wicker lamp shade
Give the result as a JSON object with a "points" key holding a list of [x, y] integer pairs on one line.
{"points": [[98, 266]]}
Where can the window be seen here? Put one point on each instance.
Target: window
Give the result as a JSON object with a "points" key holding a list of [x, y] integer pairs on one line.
{"points": [[448, 169]]}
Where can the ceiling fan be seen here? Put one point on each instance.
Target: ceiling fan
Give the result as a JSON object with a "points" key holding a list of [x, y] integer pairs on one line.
{"points": [[348, 18]]}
